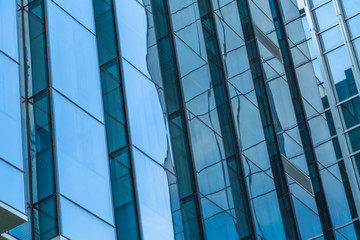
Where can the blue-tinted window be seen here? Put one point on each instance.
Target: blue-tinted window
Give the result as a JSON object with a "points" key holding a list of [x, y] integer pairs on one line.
{"points": [[83, 168], [133, 28], [154, 198], [8, 28], [12, 188], [10, 119], [82, 11], [76, 223], [74, 61], [147, 125]]}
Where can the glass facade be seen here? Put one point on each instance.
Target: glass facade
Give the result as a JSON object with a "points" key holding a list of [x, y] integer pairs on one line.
{"points": [[179, 119]]}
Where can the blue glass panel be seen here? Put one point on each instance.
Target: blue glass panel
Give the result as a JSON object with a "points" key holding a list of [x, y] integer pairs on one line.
{"points": [[82, 158], [219, 224], [80, 10], [326, 16], [308, 221], [76, 223], [350, 7], [8, 28], [146, 118], [10, 179], [74, 61], [336, 198], [133, 26], [46, 224], [10, 119], [341, 73], [154, 198], [354, 25], [331, 38]]}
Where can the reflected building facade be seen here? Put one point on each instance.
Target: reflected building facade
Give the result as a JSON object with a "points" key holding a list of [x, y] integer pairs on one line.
{"points": [[179, 119]]}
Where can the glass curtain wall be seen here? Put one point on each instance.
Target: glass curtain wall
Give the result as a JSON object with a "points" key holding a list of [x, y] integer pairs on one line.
{"points": [[69, 180], [12, 168]]}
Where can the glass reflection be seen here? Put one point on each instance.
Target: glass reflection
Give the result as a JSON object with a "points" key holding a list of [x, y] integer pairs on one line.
{"points": [[80, 224], [83, 168], [74, 61], [154, 198], [8, 28], [10, 119], [146, 118], [341, 73]]}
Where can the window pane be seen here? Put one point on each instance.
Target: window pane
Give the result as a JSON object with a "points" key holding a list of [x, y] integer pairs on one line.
{"points": [[354, 25], [331, 38], [74, 61], [325, 16], [146, 118], [350, 7], [10, 119], [133, 28], [154, 198], [354, 137], [10, 179], [8, 28], [341, 73], [45, 223], [79, 224], [80, 10], [351, 112], [42, 150], [82, 158]]}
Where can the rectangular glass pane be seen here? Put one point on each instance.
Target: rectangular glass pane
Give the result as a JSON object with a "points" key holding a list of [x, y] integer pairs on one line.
{"points": [[80, 224], [83, 167], [10, 118], [74, 61]]}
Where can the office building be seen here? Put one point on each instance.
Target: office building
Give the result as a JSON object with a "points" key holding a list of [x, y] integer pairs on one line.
{"points": [[179, 119]]}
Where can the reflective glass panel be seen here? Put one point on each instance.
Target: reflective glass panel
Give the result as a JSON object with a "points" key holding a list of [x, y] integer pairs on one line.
{"points": [[354, 137], [83, 168], [8, 28], [354, 25], [74, 61], [350, 7], [133, 26], [341, 73], [80, 224], [146, 118], [154, 198], [46, 224], [81, 10], [10, 179], [325, 16], [331, 38], [10, 119], [351, 112]]}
